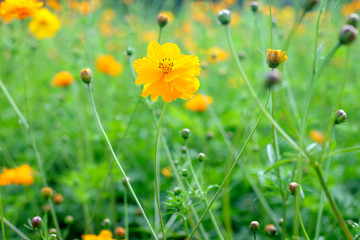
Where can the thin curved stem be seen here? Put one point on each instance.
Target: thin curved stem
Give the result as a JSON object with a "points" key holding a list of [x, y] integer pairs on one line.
{"points": [[117, 161], [126, 213], [17, 231], [156, 174], [293, 31], [271, 26], [2, 219], [301, 222], [186, 228]]}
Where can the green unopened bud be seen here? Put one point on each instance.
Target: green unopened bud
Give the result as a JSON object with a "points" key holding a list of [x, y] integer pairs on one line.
{"points": [[254, 5], [209, 135], [176, 162], [353, 19], [201, 157], [281, 222], [52, 231], [340, 116], [224, 16], [254, 226], [69, 219], [52, 237], [162, 19], [272, 78], [36, 222], [310, 4], [86, 75], [183, 149], [293, 188], [129, 51], [241, 55], [185, 133], [177, 191], [348, 34], [184, 173], [106, 223]]}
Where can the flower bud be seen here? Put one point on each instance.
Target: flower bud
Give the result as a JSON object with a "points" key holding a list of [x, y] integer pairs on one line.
{"points": [[129, 51], [293, 188], [120, 232], [281, 222], [224, 16], [52, 230], [254, 226], [254, 5], [241, 55], [36, 222], [46, 192], [270, 230], [176, 162], [209, 135], [184, 172], [185, 133], [275, 57], [106, 223], [353, 19], [348, 34], [69, 219], [162, 19], [273, 77], [58, 198], [177, 191], [310, 4], [340, 116], [52, 237], [183, 149], [124, 182], [201, 157], [86, 75]]}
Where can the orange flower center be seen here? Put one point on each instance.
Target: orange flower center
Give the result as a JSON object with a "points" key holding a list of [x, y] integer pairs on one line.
{"points": [[166, 65]]}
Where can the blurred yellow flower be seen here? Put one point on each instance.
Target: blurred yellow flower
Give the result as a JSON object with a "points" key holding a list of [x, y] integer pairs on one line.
{"points": [[107, 64], [275, 57], [85, 6], [167, 73], [166, 172], [21, 175], [62, 79], [104, 235], [149, 36], [351, 7], [199, 103], [216, 54], [45, 24], [317, 136], [54, 4], [20, 9]]}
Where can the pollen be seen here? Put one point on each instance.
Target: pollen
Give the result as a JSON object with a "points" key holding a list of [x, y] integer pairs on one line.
{"points": [[166, 65]]}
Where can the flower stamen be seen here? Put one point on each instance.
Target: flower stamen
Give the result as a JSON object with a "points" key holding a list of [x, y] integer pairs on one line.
{"points": [[166, 65]]}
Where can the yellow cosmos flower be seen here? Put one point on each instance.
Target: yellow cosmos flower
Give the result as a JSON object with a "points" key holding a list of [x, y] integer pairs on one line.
{"points": [[45, 24], [167, 73], [62, 79], [21, 175], [199, 103], [107, 64], [275, 57], [217, 54], [104, 235], [20, 9]]}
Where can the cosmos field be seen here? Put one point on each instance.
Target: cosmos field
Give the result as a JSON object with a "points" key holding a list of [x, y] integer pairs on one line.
{"points": [[130, 119]]}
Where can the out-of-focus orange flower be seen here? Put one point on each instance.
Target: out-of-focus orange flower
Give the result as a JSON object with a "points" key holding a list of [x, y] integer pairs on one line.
{"points": [[84, 7], [104, 235], [199, 12], [167, 73], [166, 172], [21, 175], [108, 65], [54, 4], [216, 54], [45, 24], [106, 19], [128, 2], [317, 136], [58, 198], [20, 9], [351, 7], [199, 103], [149, 36], [274, 10], [62, 79]]}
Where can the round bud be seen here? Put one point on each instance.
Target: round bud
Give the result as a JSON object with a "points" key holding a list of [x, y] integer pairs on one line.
{"points": [[120, 232], [348, 34], [270, 230], [353, 19], [224, 16], [184, 172], [340, 116], [177, 191], [106, 223], [281, 222], [201, 157], [52, 230], [254, 5], [273, 77], [310, 4], [185, 133], [162, 19], [254, 226], [58, 198], [209, 135], [46, 192], [293, 188], [241, 55], [129, 51], [86, 75], [183, 149], [124, 182], [52, 237], [176, 162], [69, 219], [36, 222]]}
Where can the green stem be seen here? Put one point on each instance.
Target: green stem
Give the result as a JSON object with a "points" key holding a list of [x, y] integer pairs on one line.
{"points": [[212, 217], [117, 161], [126, 213], [2, 218], [293, 31], [254, 235], [271, 26], [227, 176], [157, 196], [186, 228], [17, 231], [298, 211], [160, 31]]}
